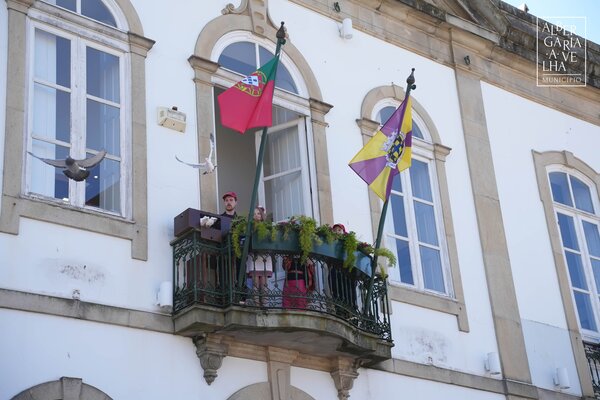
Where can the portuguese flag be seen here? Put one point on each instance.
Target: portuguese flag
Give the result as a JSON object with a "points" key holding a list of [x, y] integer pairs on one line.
{"points": [[248, 103]]}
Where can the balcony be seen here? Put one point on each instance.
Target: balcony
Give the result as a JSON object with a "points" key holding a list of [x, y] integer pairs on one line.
{"points": [[304, 302], [592, 353]]}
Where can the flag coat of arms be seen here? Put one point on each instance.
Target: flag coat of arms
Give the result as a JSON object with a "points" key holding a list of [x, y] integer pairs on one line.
{"points": [[387, 153], [248, 104]]}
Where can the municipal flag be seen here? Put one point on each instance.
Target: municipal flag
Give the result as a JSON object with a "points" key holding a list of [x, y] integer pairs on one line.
{"points": [[387, 153]]}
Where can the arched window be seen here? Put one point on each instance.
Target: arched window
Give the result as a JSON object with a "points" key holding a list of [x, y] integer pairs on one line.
{"points": [[576, 210], [287, 175], [414, 227]]}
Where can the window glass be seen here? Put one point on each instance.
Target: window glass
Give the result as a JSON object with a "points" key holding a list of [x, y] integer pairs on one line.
{"points": [[51, 118], [52, 59], [432, 269], [576, 270], [283, 80], [103, 186], [239, 57], [419, 179], [581, 192], [404, 264], [567, 232], [426, 223], [47, 180], [103, 127], [96, 9], [102, 75], [592, 238], [584, 309], [68, 4], [560, 188], [398, 214]]}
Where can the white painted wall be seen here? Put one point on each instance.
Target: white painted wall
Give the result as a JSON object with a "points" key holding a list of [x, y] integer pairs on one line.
{"points": [[539, 128], [122, 362], [373, 384], [516, 127], [101, 268]]}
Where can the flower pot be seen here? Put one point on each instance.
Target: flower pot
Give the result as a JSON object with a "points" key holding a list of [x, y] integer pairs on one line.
{"points": [[335, 249]]}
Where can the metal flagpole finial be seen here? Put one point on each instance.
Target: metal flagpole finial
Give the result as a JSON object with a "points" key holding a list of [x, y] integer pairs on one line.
{"points": [[411, 80], [281, 33]]}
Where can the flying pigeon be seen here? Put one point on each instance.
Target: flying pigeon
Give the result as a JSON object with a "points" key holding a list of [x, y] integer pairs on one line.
{"points": [[207, 164], [77, 170]]}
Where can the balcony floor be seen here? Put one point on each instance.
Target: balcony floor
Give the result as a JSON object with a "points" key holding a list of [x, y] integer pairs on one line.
{"points": [[308, 332]]}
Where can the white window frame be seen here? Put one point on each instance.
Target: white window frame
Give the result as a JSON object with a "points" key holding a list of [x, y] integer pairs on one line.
{"points": [[80, 38], [422, 150], [578, 217]]}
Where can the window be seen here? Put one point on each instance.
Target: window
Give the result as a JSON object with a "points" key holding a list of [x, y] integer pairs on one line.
{"points": [[576, 210], [78, 110], [284, 188], [83, 59], [413, 226]]}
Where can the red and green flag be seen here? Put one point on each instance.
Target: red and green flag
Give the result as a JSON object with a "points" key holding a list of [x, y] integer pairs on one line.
{"points": [[249, 103], [387, 153]]}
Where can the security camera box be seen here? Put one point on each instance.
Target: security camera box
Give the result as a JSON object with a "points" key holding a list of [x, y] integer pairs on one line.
{"points": [[190, 219]]}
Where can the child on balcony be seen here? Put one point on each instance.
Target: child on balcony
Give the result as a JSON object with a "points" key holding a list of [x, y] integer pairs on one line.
{"points": [[259, 267]]}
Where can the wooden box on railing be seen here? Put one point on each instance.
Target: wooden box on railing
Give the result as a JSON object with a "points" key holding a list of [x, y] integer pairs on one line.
{"points": [[190, 219]]}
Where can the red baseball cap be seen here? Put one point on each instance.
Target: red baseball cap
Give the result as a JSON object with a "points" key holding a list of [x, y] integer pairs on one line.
{"points": [[341, 226], [232, 194]]}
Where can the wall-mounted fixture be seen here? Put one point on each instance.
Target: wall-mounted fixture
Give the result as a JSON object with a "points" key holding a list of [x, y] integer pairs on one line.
{"points": [[336, 6], [346, 30], [492, 363], [561, 378], [171, 118], [467, 60], [164, 297]]}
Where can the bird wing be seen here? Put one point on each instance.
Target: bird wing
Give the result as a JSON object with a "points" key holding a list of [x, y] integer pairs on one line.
{"points": [[212, 146], [190, 164], [92, 161], [54, 163]]}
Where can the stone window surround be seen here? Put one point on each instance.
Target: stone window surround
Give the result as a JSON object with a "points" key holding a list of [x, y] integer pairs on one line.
{"points": [[455, 306], [204, 71], [14, 204], [542, 161]]}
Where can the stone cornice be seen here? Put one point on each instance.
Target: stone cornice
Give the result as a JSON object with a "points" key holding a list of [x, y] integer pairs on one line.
{"points": [[505, 61], [139, 44]]}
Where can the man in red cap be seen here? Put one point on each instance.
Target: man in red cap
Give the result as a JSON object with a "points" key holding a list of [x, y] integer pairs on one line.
{"points": [[230, 200]]}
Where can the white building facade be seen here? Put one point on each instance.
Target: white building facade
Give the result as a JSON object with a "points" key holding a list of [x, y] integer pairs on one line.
{"points": [[496, 226]]}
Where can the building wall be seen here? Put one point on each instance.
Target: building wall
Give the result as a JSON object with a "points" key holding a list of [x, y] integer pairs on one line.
{"points": [[135, 363]]}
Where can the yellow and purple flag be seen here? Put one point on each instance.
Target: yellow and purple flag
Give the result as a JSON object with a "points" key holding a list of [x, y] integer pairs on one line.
{"points": [[387, 153]]}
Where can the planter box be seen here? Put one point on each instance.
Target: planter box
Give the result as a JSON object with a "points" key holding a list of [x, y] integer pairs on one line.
{"points": [[333, 250]]}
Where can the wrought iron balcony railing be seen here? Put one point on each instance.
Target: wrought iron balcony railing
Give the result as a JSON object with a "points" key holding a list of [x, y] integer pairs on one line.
{"points": [[205, 273], [592, 352]]}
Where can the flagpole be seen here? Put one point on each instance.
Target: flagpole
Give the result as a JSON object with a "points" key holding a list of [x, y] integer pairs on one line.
{"points": [[410, 86], [259, 163]]}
